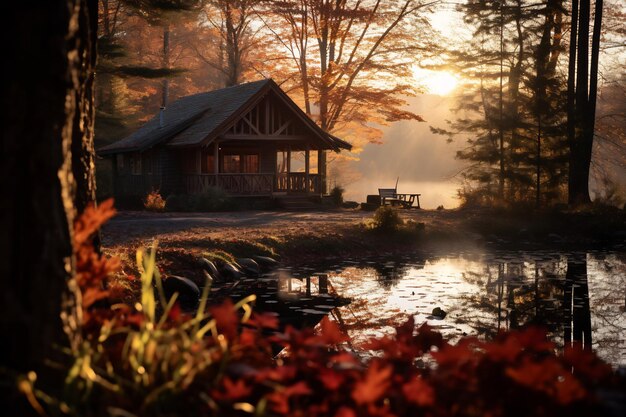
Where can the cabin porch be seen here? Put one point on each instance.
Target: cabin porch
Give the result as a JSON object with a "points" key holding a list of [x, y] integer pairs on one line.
{"points": [[252, 170]]}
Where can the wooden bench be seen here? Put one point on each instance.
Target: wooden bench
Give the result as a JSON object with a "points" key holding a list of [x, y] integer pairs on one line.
{"points": [[392, 197]]}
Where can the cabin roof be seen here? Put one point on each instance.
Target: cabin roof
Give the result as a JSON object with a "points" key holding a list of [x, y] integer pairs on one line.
{"points": [[197, 119]]}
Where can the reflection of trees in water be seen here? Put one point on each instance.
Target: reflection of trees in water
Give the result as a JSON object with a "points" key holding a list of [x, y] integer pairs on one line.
{"points": [[518, 293], [576, 311]]}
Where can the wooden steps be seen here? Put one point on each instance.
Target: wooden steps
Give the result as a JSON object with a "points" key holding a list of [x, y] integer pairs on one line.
{"points": [[296, 202]]}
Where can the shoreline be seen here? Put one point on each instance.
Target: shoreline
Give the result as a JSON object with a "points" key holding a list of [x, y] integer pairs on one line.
{"points": [[300, 238]]}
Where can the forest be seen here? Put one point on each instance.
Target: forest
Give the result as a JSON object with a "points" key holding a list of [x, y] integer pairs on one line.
{"points": [[165, 302]]}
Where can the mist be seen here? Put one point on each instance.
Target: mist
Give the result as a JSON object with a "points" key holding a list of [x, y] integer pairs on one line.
{"points": [[424, 162]]}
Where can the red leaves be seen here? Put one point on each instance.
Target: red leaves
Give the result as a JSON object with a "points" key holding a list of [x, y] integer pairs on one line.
{"points": [[518, 373], [331, 379], [331, 334], [373, 385], [419, 392], [226, 318], [232, 390], [280, 398], [549, 377], [264, 320]]}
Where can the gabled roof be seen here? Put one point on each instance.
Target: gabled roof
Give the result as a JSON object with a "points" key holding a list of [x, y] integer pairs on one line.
{"points": [[199, 118]]}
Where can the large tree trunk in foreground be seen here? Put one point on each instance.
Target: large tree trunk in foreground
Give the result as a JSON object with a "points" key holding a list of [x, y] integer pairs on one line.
{"points": [[46, 168]]}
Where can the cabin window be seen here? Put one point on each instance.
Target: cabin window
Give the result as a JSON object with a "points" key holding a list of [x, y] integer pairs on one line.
{"points": [[207, 164], [251, 164], [232, 164], [297, 161], [119, 159], [135, 164], [281, 162]]}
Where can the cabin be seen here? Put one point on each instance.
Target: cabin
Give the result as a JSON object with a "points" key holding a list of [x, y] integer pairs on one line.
{"points": [[250, 140]]}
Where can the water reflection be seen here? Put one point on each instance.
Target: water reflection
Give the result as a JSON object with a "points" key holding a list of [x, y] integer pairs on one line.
{"points": [[575, 296]]}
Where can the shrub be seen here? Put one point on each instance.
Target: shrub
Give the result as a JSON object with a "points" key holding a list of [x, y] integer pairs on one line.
{"points": [[213, 199], [178, 202], [336, 195], [440, 207], [386, 218], [154, 201]]}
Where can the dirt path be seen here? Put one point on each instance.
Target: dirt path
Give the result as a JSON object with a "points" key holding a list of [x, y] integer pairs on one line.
{"points": [[129, 226]]}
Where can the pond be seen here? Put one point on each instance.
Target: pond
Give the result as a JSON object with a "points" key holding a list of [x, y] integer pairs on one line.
{"points": [[574, 295]]}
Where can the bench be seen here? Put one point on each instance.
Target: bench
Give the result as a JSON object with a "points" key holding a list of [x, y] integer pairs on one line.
{"points": [[392, 197]]}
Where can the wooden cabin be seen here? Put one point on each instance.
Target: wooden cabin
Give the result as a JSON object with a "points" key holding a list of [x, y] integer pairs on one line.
{"points": [[249, 140]]}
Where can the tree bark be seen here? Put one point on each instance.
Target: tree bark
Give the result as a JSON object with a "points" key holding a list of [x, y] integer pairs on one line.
{"points": [[46, 168]]}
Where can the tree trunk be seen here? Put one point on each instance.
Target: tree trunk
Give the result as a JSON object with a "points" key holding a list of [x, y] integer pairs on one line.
{"points": [[46, 168], [582, 99]]}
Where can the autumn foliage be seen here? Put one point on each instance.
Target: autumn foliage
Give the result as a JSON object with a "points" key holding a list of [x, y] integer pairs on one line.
{"points": [[153, 359]]}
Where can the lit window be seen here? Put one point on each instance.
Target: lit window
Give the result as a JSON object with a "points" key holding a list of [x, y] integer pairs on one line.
{"points": [[207, 164], [232, 164]]}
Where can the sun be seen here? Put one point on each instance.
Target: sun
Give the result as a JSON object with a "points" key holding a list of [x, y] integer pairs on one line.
{"points": [[440, 83]]}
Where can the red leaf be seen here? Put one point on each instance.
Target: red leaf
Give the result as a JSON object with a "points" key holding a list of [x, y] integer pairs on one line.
{"points": [[266, 320], [345, 412], [233, 390], [419, 392], [226, 318], [331, 334], [331, 379], [374, 385]]}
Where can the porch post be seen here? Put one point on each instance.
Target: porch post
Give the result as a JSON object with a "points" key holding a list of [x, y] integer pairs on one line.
{"points": [[216, 162], [288, 167], [306, 169], [321, 169], [216, 158]]}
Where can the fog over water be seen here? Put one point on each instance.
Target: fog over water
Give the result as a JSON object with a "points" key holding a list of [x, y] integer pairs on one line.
{"points": [[425, 162]]}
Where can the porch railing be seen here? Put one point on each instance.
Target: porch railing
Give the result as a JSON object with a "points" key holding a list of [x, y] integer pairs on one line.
{"points": [[254, 184], [297, 182]]}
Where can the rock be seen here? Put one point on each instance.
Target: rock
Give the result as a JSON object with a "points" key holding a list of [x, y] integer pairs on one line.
{"points": [[231, 272], [188, 291], [439, 313], [249, 266], [209, 266], [265, 262]]}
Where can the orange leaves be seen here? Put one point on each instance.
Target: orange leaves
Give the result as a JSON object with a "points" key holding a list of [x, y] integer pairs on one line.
{"points": [[92, 269], [373, 385], [550, 377], [90, 221]]}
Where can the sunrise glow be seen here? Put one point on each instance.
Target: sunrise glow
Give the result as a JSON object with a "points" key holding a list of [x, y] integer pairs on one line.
{"points": [[440, 83]]}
